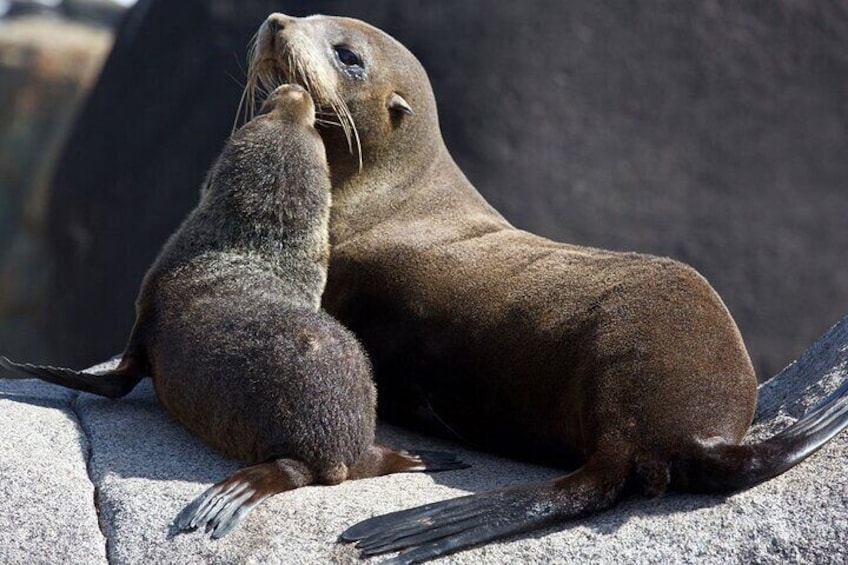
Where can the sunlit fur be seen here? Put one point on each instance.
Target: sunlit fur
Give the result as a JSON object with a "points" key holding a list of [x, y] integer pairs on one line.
{"points": [[296, 62], [626, 367]]}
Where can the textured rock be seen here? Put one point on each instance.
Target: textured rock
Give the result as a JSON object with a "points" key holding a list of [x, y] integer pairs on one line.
{"points": [[713, 132], [47, 500], [146, 468]]}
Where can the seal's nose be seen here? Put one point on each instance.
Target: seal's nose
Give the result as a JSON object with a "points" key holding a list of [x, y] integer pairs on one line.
{"points": [[278, 22]]}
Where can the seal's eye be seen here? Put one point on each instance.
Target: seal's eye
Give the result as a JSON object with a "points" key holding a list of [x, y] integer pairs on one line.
{"points": [[347, 57], [351, 63]]}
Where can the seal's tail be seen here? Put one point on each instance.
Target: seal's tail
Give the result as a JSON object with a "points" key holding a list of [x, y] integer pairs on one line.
{"points": [[449, 526], [726, 468], [112, 383]]}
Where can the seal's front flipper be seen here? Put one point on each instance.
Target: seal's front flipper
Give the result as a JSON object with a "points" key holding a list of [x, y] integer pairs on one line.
{"points": [[224, 505], [442, 528], [380, 460], [113, 383]]}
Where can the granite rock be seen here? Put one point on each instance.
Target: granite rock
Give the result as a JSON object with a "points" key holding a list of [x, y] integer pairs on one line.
{"points": [[143, 468]]}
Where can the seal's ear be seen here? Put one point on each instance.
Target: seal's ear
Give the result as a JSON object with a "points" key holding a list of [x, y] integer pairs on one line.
{"points": [[398, 104]]}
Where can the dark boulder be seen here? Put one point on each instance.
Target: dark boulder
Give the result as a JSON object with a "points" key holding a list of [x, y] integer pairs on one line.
{"points": [[713, 132]]}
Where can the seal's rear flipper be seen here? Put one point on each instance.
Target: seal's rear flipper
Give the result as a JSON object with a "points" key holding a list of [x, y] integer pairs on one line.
{"points": [[446, 527], [224, 505], [113, 383], [433, 461], [723, 467], [380, 460]]}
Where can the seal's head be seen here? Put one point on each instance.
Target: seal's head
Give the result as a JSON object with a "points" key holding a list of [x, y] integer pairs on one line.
{"points": [[273, 171], [290, 102], [361, 79]]}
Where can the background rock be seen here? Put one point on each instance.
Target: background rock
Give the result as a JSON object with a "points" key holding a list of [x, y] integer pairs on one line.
{"points": [[97, 12], [713, 132], [47, 65]]}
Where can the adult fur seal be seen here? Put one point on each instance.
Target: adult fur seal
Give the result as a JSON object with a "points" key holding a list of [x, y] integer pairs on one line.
{"points": [[627, 367], [229, 326]]}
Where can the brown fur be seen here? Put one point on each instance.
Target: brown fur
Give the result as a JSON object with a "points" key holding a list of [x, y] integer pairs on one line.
{"points": [[627, 364], [513, 339], [229, 315], [230, 328]]}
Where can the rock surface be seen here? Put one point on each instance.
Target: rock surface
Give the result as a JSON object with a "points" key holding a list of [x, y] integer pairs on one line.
{"points": [[143, 468], [47, 499]]}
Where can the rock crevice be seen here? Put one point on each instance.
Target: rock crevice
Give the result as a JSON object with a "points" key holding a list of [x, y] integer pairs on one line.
{"points": [[88, 453]]}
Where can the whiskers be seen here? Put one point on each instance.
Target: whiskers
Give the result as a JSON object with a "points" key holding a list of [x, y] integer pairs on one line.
{"points": [[327, 119], [265, 73], [247, 102]]}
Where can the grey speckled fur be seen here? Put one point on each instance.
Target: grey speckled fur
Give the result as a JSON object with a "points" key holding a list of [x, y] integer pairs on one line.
{"points": [[233, 301]]}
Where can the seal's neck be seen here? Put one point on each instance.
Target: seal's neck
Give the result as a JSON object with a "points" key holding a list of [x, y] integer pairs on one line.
{"points": [[262, 193], [293, 216], [394, 191]]}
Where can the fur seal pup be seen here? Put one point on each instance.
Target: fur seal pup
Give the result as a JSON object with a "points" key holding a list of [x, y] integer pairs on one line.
{"points": [[229, 327], [625, 367]]}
